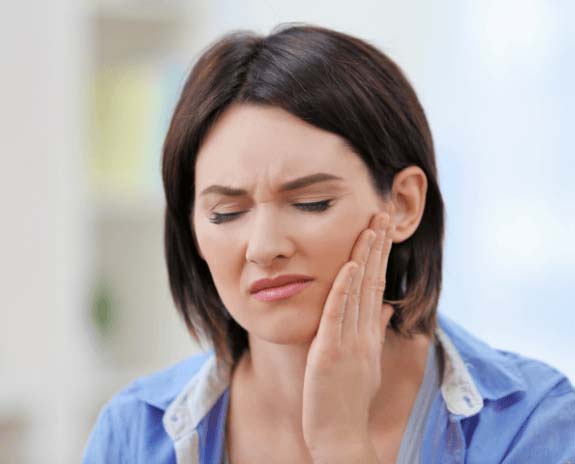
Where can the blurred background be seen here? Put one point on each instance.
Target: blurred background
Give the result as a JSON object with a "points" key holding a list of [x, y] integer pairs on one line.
{"points": [[86, 93]]}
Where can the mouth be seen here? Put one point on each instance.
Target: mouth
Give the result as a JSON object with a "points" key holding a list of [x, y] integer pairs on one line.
{"points": [[277, 281], [281, 292]]}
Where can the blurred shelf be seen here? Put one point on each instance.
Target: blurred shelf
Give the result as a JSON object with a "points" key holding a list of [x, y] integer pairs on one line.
{"points": [[135, 31], [134, 84], [145, 13]]}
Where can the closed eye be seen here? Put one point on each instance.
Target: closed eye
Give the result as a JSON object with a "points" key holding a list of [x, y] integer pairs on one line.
{"points": [[316, 206]]}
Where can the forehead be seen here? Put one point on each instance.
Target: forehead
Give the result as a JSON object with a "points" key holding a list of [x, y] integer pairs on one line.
{"points": [[249, 143]]}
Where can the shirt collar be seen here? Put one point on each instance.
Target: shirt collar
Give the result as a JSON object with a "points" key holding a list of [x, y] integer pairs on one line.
{"points": [[161, 388], [196, 399], [473, 372]]}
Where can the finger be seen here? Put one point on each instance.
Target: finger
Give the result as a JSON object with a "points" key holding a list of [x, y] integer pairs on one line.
{"points": [[329, 331], [370, 300], [382, 272], [360, 256]]}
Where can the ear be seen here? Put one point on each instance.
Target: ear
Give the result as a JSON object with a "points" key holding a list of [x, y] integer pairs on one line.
{"points": [[409, 191]]}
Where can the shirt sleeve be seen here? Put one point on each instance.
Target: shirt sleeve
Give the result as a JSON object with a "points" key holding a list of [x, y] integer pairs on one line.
{"points": [[548, 434], [104, 445]]}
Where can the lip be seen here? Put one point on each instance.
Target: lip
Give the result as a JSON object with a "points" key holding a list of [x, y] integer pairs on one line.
{"points": [[281, 293], [278, 281]]}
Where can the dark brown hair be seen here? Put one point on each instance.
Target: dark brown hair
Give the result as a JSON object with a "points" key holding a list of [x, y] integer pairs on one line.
{"points": [[333, 81]]}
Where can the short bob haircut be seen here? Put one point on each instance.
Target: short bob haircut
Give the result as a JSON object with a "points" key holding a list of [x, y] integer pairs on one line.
{"points": [[335, 82]]}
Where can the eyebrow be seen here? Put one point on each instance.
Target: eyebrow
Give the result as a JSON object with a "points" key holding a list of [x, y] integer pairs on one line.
{"points": [[288, 186]]}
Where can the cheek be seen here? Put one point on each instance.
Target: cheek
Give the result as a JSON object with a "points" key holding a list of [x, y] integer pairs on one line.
{"points": [[209, 239], [218, 255], [331, 247], [344, 232]]}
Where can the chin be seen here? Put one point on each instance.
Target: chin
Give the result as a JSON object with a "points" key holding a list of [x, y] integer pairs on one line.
{"points": [[300, 339], [287, 331]]}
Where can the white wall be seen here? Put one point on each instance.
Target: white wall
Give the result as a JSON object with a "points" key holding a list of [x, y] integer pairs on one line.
{"points": [[42, 239]]}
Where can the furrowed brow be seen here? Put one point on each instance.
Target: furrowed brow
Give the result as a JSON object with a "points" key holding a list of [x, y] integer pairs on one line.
{"points": [[288, 186]]}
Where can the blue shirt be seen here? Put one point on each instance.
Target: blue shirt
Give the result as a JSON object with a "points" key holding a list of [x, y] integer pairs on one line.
{"points": [[494, 406]]}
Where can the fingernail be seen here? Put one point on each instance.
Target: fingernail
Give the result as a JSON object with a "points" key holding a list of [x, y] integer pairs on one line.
{"points": [[352, 272], [370, 238], [383, 221]]}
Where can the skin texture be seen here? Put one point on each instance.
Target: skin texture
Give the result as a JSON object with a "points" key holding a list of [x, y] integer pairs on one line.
{"points": [[279, 387]]}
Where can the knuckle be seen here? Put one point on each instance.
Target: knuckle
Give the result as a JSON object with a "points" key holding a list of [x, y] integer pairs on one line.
{"points": [[353, 298], [380, 284], [379, 245], [373, 284], [334, 315], [344, 291]]}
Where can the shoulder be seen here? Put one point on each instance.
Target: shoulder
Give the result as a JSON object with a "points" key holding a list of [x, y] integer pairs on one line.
{"points": [[130, 423], [528, 406], [543, 415], [498, 373], [535, 424]]}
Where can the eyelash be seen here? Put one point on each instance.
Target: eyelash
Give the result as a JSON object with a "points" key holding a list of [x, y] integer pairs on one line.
{"points": [[315, 207]]}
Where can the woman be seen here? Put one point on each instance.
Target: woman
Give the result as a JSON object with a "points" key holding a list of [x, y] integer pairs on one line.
{"points": [[291, 161]]}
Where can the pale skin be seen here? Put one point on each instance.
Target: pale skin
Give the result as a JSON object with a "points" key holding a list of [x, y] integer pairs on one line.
{"points": [[323, 380]]}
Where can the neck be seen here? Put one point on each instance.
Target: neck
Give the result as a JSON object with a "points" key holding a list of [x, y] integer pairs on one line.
{"points": [[273, 374]]}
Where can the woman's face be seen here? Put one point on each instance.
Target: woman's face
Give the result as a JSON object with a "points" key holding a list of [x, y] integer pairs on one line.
{"points": [[259, 149]]}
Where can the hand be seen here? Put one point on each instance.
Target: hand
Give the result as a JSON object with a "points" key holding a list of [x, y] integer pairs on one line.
{"points": [[343, 371]]}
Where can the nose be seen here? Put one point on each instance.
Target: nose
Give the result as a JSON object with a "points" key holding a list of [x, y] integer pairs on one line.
{"points": [[268, 238]]}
